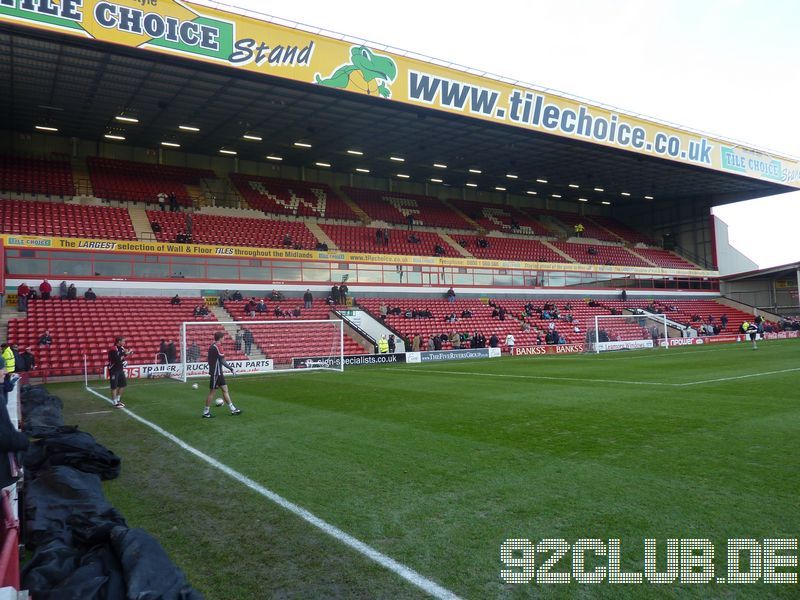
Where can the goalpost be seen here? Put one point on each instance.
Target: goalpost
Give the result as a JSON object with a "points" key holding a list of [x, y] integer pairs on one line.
{"points": [[263, 346], [629, 332]]}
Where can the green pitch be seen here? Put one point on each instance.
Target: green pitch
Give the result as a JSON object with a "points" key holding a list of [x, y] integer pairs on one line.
{"points": [[436, 465]]}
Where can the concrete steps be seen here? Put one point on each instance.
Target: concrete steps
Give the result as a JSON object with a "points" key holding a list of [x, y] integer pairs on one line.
{"points": [[364, 217], [566, 256], [233, 328], [141, 224], [455, 245], [322, 237]]}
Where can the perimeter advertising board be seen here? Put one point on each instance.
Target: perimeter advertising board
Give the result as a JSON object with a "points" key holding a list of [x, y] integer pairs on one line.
{"points": [[241, 42], [147, 247], [193, 369], [543, 350]]}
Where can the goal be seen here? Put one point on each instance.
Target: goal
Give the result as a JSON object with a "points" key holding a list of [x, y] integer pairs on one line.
{"points": [[629, 332], [264, 346]]}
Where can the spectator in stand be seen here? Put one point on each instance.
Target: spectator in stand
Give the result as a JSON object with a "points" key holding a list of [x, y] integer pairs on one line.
{"points": [[335, 293], [383, 345], [455, 340], [62, 290], [45, 288], [466, 314], [392, 343], [237, 296], [261, 307], [23, 291], [45, 339], [308, 299], [410, 221], [451, 295], [510, 343], [90, 295], [343, 289], [278, 312], [287, 241], [237, 341], [250, 308], [431, 346], [162, 352], [296, 312], [26, 364], [175, 300], [155, 227], [623, 296], [412, 239], [437, 342], [173, 202], [384, 311], [72, 292], [579, 229], [248, 339], [172, 352], [162, 201], [416, 343], [198, 311], [224, 297], [193, 353], [724, 320], [526, 326]]}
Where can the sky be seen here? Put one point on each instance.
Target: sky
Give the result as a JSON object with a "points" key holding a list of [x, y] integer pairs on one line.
{"points": [[728, 68]]}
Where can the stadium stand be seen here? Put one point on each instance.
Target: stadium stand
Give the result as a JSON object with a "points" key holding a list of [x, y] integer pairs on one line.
{"points": [[570, 220], [664, 258], [295, 341], [395, 207], [295, 198], [626, 233], [236, 231], [506, 248], [481, 320], [90, 326], [36, 176], [496, 217], [351, 238], [591, 254], [685, 311], [28, 217], [142, 182]]}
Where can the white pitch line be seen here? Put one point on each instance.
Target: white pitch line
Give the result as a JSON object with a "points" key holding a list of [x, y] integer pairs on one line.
{"points": [[407, 573], [739, 377], [545, 377]]}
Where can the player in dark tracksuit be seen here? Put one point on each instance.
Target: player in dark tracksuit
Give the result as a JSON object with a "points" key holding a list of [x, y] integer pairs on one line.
{"points": [[116, 370], [216, 360]]}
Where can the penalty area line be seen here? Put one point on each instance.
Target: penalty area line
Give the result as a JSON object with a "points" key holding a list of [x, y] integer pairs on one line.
{"points": [[430, 587], [735, 377]]}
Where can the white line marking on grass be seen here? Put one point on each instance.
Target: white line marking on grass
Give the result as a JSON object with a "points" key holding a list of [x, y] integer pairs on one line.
{"points": [[721, 379], [97, 412], [428, 586], [545, 377]]}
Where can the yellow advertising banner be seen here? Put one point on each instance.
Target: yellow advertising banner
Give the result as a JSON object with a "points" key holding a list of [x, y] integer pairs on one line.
{"points": [[242, 42], [246, 252]]}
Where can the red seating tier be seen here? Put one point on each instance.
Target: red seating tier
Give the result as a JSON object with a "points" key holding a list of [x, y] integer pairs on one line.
{"points": [[142, 182], [509, 249], [395, 207], [36, 176], [628, 234], [232, 231], [496, 217], [603, 255], [85, 326], [65, 220], [289, 197], [481, 320], [281, 344], [362, 239], [663, 258]]}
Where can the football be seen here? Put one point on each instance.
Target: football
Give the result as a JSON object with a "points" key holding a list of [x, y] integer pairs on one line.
{"points": [[219, 402], [194, 386]]}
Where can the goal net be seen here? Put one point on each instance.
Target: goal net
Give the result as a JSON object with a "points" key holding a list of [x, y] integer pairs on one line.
{"points": [[629, 332], [263, 346]]}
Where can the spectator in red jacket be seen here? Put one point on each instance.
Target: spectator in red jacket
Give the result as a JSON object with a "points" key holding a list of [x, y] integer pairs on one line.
{"points": [[23, 291], [45, 288]]}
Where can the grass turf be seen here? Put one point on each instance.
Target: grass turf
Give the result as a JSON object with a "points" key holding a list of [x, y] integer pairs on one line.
{"points": [[436, 465]]}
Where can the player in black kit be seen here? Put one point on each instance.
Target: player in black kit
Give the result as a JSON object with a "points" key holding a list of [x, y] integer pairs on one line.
{"points": [[216, 360], [116, 370]]}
